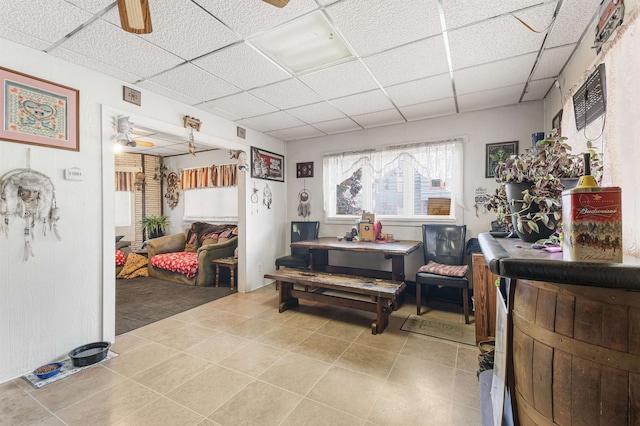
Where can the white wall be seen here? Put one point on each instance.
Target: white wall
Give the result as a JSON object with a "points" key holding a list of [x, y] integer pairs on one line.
{"points": [[65, 296]]}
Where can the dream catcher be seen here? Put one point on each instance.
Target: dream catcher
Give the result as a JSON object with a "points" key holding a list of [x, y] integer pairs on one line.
{"points": [[254, 198], [30, 195], [266, 196], [304, 207], [173, 191]]}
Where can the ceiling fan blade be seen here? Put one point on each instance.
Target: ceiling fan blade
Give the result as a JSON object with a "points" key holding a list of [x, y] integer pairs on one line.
{"points": [[277, 3], [145, 143], [135, 16]]}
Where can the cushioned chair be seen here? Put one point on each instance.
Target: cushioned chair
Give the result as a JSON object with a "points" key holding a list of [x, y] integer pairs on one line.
{"points": [[444, 247], [299, 258]]}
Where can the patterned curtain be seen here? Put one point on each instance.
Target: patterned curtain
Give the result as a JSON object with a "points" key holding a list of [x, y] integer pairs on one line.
{"points": [[124, 181], [225, 175], [203, 177]]}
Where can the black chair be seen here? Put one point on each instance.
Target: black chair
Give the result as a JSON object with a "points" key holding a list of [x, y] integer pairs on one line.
{"points": [[299, 258], [444, 244]]}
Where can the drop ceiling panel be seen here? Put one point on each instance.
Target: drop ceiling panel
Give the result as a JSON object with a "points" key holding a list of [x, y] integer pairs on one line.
{"points": [[249, 17], [499, 38], [495, 74], [490, 98], [302, 132], [161, 90], [287, 94], [104, 42], [552, 61], [279, 135], [22, 38], [429, 109], [423, 90], [243, 105], [277, 120], [363, 103], [411, 62], [460, 13], [242, 66], [380, 118], [217, 111], [252, 125], [340, 80], [572, 19], [372, 26], [537, 89], [315, 113], [340, 125], [194, 82], [95, 65]]}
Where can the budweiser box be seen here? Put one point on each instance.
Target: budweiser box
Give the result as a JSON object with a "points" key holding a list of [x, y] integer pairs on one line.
{"points": [[592, 224]]}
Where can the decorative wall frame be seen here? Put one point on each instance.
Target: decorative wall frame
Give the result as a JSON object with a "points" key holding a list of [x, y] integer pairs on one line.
{"points": [[38, 112], [556, 123], [497, 152], [266, 165], [304, 170]]}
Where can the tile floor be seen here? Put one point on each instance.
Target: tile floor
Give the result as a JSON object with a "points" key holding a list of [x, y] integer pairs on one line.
{"points": [[237, 361]]}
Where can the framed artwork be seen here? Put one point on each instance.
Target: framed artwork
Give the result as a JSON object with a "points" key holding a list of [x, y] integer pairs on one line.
{"points": [[556, 123], [496, 153], [304, 170], [38, 112], [266, 165]]}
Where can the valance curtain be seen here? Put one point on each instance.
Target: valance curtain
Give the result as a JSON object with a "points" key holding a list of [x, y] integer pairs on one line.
{"points": [[204, 177], [442, 159], [225, 175], [124, 181]]}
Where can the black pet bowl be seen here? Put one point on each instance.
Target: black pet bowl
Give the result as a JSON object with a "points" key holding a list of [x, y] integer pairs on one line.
{"points": [[89, 354]]}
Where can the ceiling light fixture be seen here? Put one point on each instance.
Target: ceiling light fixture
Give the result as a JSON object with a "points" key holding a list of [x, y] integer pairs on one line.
{"points": [[303, 44]]}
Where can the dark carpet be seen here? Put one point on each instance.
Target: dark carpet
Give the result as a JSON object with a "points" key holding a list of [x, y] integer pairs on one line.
{"points": [[141, 301]]}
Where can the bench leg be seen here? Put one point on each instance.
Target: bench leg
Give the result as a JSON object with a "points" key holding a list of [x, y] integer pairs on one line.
{"points": [[285, 299], [383, 309]]}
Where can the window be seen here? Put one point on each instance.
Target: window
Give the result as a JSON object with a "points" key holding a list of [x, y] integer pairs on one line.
{"points": [[211, 204], [123, 208], [395, 182]]}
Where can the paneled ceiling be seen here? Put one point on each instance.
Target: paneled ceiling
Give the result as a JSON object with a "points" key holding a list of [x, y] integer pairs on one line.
{"points": [[412, 59]]}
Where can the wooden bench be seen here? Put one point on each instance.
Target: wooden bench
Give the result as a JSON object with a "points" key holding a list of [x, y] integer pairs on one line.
{"points": [[382, 294]]}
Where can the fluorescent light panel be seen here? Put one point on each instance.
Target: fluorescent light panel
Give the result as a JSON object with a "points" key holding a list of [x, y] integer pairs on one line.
{"points": [[304, 44]]}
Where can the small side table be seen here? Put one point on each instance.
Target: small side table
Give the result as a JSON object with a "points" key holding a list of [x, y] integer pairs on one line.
{"points": [[227, 262]]}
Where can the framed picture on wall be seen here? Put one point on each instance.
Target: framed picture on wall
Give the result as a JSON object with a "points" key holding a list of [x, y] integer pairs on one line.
{"points": [[304, 170], [38, 112], [266, 165], [496, 153]]}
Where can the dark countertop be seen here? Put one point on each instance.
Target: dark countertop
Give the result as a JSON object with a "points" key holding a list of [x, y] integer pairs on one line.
{"points": [[513, 258]]}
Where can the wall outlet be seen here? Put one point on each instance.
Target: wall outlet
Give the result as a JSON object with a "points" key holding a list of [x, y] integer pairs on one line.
{"points": [[259, 267]]}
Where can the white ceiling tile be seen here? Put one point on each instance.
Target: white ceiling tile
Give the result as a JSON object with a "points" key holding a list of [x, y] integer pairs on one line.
{"points": [[496, 74], [194, 82], [423, 90], [363, 103], [216, 111], [552, 61], [243, 105], [104, 42], [429, 109], [253, 125], [537, 89], [460, 13], [249, 17], [302, 132], [340, 80], [92, 6], [416, 60], [287, 94], [372, 26], [327, 2], [280, 136], [242, 66], [277, 120], [338, 126], [95, 65], [490, 98], [573, 18], [314, 113], [55, 18], [23, 38], [161, 90], [499, 38], [380, 118]]}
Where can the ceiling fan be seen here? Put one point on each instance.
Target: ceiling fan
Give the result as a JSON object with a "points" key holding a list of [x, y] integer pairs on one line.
{"points": [[277, 3]]}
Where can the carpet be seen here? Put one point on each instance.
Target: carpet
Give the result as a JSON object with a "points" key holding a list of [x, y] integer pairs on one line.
{"points": [[144, 300], [456, 332]]}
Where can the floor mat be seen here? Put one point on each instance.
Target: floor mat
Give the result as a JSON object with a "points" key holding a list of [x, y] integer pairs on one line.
{"points": [[456, 332], [67, 370]]}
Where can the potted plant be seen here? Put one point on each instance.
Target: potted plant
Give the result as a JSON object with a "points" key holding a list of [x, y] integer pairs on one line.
{"points": [[154, 226], [529, 197]]}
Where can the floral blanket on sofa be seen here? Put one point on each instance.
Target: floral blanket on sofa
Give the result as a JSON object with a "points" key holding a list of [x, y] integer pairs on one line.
{"points": [[182, 262]]}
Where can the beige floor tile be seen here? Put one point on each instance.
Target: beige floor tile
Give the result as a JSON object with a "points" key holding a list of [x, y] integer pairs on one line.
{"points": [[250, 328], [423, 376], [207, 422], [108, 406], [218, 347], [245, 307], [24, 385], [257, 404], [162, 412], [465, 416], [431, 349], [171, 373], [344, 329], [392, 340], [399, 405], [217, 319], [467, 358], [135, 361], [284, 337], [72, 389], [321, 347], [128, 342], [18, 408], [347, 391], [295, 373], [253, 359], [466, 389], [367, 360], [310, 318], [187, 337], [158, 329], [209, 390], [311, 413], [273, 315]]}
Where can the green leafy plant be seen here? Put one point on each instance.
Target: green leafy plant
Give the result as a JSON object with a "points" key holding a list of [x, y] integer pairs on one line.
{"points": [[544, 168], [155, 226]]}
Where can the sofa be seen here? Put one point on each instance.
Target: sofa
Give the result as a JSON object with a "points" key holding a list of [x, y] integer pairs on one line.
{"points": [[187, 257]]}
